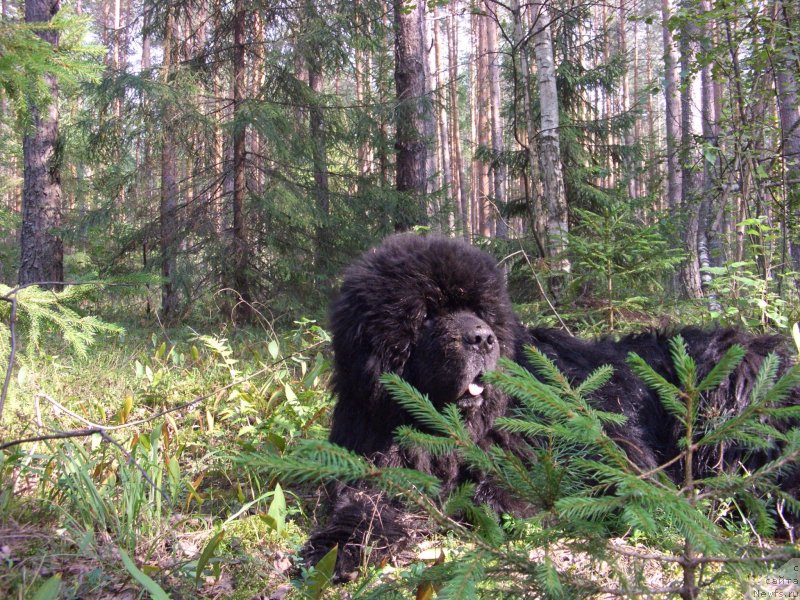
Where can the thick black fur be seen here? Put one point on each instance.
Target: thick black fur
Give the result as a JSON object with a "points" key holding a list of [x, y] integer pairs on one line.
{"points": [[436, 311]]}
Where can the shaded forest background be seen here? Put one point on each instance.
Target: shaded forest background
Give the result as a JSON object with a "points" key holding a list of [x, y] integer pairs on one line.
{"points": [[626, 153]]}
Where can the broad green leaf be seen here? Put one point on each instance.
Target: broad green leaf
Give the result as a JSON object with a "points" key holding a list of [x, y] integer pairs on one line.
{"points": [[277, 509], [207, 554], [322, 575], [49, 589], [155, 590]]}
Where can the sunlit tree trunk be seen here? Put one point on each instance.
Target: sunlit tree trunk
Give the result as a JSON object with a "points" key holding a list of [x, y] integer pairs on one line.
{"points": [[706, 235], [42, 250], [652, 146], [690, 199], [786, 83], [483, 108], [637, 188], [624, 98]]}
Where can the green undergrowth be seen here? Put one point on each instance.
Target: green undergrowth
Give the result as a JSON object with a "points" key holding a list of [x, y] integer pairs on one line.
{"points": [[158, 486], [161, 504]]}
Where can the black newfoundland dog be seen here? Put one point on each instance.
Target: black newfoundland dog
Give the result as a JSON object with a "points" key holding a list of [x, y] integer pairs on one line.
{"points": [[436, 311]]}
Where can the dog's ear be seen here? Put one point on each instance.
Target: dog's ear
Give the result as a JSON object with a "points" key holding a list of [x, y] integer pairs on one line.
{"points": [[374, 333]]}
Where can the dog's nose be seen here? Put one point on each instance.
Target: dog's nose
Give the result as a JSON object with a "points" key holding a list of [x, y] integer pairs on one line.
{"points": [[480, 336]]}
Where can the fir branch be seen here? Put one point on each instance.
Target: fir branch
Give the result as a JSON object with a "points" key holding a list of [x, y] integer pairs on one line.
{"points": [[435, 445], [596, 379], [764, 378], [465, 576], [729, 361], [684, 364], [545, 368], [415, 403], [668, 394]]}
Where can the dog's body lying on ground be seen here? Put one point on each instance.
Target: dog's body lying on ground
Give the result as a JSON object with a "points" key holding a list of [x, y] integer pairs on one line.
{"points": [[436, 312]]}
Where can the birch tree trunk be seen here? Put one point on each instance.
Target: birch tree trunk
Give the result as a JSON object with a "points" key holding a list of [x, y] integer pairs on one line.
{"points": [[689, 200], [706, 236], [42, 250], [549, 146]]}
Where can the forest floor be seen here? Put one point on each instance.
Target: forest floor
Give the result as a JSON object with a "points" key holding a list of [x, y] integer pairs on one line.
{"points": [[161, 500]]}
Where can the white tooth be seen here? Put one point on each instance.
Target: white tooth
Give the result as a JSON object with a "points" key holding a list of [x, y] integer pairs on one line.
{"points": [[475, 389]]}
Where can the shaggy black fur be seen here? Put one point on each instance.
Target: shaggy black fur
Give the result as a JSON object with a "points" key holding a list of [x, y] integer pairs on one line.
{"points": [[436, 311]]}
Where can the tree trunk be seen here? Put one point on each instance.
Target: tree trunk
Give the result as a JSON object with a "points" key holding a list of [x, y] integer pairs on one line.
{"points": [[527, 137], [707, 237], [317, 132], [241, 252], [483, 108], [549, 147], [460, 190], [316, 121], [363, 68], [673, 113], [384, 98], [413, 112], [628, 171], [786, 83], [169, 188], [499, 224], [439, 25], [217, 208], [690, 201], [42, 250]]}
